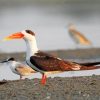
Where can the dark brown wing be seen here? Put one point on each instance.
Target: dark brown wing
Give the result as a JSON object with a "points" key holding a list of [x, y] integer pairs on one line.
{"points": [[90, 63], [49, 63], [40, 53]]}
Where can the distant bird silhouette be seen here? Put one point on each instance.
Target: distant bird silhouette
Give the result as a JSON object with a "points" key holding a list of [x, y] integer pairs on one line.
{"points": [[77, 36]]}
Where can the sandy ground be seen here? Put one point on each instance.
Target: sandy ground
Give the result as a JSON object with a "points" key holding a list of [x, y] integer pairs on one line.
{"points": [[75, 88]]}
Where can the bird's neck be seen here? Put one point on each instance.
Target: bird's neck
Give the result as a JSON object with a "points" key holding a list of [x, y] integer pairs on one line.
{"points": [[31, 48]]}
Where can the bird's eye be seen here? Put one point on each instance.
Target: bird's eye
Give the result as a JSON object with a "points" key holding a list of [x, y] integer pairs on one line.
{"points": [[30, 32]]}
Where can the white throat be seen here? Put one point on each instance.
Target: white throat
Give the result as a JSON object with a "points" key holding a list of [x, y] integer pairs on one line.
{"points": [[31, 47]]}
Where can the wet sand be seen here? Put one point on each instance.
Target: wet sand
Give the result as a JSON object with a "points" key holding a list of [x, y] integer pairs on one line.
{"points": [[75, 88]]}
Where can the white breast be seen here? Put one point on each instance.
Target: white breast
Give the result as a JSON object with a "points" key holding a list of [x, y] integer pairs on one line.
{"points": [[13, 65]]}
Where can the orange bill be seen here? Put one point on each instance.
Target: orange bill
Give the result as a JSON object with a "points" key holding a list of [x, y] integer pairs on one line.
{"points": [[14, 36]]}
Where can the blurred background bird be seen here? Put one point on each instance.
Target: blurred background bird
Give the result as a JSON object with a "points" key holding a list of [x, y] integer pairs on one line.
{"points": [[77, 36]]}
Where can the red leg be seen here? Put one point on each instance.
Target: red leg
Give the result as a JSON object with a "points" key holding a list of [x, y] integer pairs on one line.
{"points": [[43, 79], [20, 77]]}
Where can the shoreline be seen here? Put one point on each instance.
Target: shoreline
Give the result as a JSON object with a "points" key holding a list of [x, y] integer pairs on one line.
{"points": [[80, 55]]}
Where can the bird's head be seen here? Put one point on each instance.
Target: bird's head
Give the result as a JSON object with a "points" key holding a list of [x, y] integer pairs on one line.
{"points": [[7, 60], [26, 34], [11, 59], [71, 26]]}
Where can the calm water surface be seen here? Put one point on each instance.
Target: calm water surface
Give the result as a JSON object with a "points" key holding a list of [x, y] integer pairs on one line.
{"points": [[6, 73]]}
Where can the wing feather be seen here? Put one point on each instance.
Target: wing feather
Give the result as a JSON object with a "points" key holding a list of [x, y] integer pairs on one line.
{"points": [[24, 70], [49, 63]]}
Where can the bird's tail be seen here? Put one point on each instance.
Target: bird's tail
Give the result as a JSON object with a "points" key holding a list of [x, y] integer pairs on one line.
{"points": [[89, 68], [90, 63]]}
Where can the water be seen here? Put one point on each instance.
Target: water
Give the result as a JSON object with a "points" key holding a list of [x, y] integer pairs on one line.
{"points": [[6, 73], [49, 21]]}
